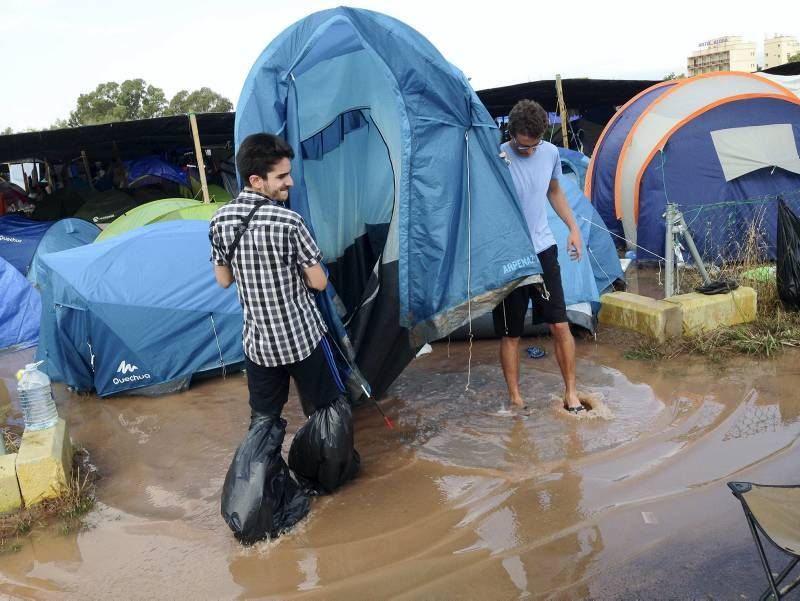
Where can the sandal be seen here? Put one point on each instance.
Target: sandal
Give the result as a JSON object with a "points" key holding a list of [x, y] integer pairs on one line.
{"points": [[524, 410], [535, 352], [575, 410]]}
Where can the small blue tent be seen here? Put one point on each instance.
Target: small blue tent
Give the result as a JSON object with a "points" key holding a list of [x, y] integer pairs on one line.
{"points": [[19, 238], [20, 308], [22, 240], [153, 170], [139, 311], [397, 173], [62, 235], [574, 165]]}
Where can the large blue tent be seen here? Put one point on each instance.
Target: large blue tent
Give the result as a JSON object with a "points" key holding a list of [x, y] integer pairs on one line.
{"points": [[139, 311], [398, 175], [20, 308]]}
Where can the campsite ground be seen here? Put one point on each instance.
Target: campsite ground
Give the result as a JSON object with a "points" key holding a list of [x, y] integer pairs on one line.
{"points": [[456, 503]]}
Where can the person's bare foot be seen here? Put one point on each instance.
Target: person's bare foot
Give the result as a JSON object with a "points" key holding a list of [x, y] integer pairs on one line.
{"points": [[572, 403]]}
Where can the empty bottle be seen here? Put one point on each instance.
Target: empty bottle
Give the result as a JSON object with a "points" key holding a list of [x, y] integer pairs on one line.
{"points": [[36, 398]]}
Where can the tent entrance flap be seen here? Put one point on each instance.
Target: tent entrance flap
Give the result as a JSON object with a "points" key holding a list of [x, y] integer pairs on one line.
{"points": [[350, 185]]}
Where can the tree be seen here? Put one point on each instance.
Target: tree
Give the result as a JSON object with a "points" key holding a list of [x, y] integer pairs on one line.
{"points": [[673, 75], [110, 101], [204, 100], [136, 99], [6, 132], [795, 58]]}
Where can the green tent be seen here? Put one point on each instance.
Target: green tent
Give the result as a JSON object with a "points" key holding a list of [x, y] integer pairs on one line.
{"points": [[166, 209]]}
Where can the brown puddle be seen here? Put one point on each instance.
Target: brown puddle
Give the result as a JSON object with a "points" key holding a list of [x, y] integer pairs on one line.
{"points": [[456, 503]]}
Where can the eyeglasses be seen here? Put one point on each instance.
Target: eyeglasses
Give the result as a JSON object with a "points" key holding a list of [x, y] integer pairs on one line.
{"points": [[524, 148]]}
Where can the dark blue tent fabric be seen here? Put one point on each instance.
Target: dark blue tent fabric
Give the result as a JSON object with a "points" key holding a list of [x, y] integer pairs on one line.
{"points": [[20, 308], [62, 235], [688, 173], [19, 238], [423, 169], [139, 310], [149, 170], [603, 177]]}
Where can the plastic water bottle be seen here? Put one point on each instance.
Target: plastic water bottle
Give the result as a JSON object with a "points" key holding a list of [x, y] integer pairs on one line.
{"points": [[36, 398]]}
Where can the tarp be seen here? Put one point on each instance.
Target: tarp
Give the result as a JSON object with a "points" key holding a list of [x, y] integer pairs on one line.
{"points": [[20, 308], [141, 310], [398, 175]]}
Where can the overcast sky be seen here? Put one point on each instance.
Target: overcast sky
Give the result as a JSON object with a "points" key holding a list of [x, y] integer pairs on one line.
{"points": [[52, 51]]}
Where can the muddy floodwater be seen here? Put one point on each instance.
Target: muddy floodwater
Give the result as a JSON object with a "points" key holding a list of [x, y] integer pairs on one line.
{"points": [[627, 502]]}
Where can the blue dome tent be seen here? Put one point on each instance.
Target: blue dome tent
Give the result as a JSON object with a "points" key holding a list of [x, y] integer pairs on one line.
{"points": [[397, 174], [23, 240], [20, 308], [139, 311], [721, 146]]}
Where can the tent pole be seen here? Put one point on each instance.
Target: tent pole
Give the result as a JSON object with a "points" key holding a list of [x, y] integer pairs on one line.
{"points": [[199, 153], [87, 169], [562, 107], [669, 251], [50, 181]]}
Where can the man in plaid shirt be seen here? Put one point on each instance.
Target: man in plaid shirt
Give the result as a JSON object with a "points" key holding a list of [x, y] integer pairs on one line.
{"points": [[276, 265]]}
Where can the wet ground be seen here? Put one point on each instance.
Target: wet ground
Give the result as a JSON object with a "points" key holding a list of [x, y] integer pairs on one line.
{"points": [[456, 503]]}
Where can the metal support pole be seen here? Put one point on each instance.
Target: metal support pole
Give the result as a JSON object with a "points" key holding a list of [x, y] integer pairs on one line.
{"points": [[669, 251], [684, 229]]}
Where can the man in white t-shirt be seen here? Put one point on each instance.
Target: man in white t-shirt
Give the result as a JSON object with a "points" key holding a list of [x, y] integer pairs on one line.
{"points": [[535, 166]]}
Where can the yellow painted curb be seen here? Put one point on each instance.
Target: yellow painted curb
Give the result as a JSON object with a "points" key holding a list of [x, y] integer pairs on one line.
{"points": [[44, 463], [10, 497], [703, 312], [653, 318]]}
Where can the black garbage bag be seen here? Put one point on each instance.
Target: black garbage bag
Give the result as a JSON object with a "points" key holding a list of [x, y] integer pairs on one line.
{"points": [[322, 454], [788, 253], [259, 497]]}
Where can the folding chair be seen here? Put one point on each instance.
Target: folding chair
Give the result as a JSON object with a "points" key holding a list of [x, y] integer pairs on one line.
{"points": [[775, 511]]}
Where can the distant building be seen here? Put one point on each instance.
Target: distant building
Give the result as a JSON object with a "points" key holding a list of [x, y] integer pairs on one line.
{"points": [[778, 49], [729, 53]]}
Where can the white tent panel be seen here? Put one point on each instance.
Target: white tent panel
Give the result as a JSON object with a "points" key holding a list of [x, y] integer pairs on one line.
{"points": [[665, 113], [742, 150]]}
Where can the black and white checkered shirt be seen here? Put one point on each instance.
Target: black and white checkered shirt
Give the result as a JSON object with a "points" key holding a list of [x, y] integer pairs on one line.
{"points": [[281, 321]]}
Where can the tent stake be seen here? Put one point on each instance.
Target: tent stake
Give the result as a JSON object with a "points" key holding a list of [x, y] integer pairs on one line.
{"points": [[199, 152]]}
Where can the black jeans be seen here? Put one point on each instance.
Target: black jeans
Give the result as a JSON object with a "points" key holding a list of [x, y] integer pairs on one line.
{"points": [[313, 376]]}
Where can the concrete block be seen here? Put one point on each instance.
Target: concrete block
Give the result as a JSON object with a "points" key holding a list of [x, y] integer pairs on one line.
{"points": [[44, 463], [10, 497], [653, 318], [703, 312]]}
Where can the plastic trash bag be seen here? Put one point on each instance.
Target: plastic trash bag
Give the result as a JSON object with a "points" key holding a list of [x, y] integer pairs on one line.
{"points": [[259, 497], [788, 256], [322, 455]]}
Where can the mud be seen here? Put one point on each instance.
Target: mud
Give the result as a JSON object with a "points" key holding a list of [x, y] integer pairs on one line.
{"points": [[625, 500]]}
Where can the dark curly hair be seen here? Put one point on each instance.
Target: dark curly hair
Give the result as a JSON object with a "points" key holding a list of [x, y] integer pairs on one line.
{"points": [[259, 153], [528, 118]]}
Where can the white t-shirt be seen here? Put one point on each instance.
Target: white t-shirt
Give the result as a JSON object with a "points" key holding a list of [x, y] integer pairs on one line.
{"points": [[532, 176]]}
